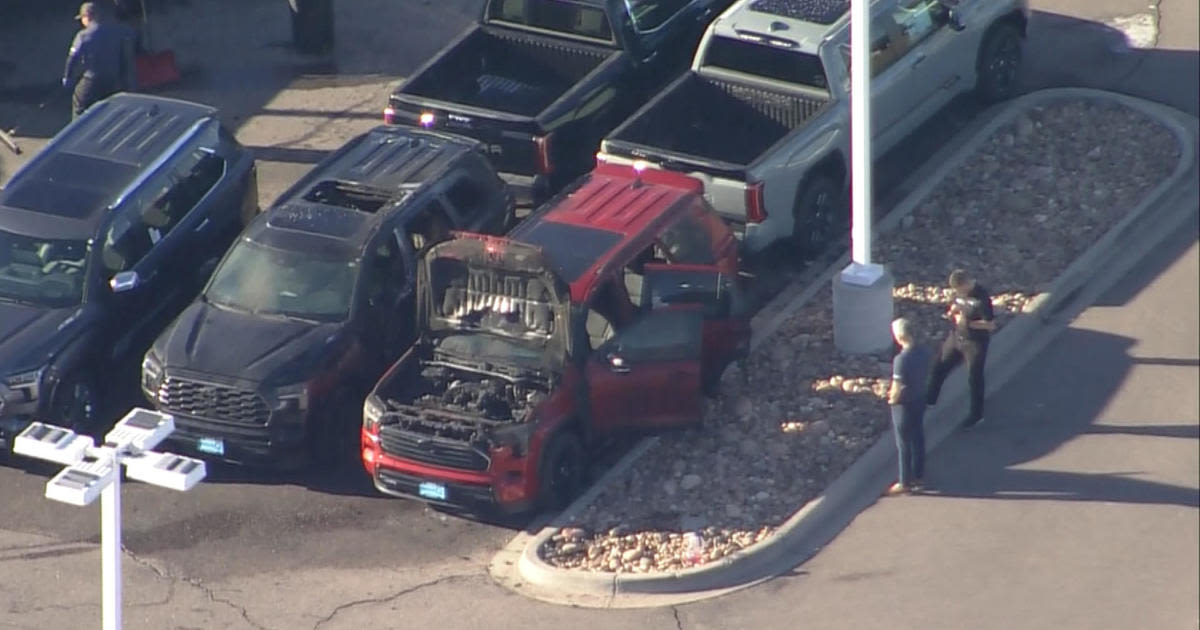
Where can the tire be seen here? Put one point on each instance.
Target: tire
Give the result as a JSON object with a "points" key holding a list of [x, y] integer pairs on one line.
{"points": [[312, 25], [561, 471], [333, 443], [76, 403], [820, 215], [998, 63]]}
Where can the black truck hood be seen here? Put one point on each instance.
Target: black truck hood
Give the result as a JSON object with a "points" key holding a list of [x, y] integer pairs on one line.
{"points": [[29, 335], [496, 286], [235, 344]]}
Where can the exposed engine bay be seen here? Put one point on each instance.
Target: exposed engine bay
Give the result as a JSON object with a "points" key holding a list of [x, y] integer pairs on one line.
{"points": [[492, 397], [464, 403]]}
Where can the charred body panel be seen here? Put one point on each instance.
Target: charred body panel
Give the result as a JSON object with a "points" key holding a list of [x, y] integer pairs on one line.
{"points": [[316, 299], [511, 387]]}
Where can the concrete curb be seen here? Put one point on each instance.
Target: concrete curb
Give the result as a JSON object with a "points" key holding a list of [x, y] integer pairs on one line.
{"points": [[821, 519]]}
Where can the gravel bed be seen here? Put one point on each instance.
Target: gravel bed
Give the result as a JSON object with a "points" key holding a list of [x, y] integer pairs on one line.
{"points": [[1033, 198]]}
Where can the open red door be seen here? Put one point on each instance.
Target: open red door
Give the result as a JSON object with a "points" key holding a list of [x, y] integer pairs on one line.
{"points": [[717, 295], [647, 377]]}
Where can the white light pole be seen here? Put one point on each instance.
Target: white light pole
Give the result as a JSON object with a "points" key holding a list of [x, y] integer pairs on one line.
{"points": [[93, 471], [862, 292]]}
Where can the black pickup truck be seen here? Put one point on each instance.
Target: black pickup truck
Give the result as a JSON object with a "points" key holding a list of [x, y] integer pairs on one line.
{"points": [[540, 82]]}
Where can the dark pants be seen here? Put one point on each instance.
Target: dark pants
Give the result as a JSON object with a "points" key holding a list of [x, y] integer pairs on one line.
{"points": [[908, 424], [87, 91], [953, 351]]}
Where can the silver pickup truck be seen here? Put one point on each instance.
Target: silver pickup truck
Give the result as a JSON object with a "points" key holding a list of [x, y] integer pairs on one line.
{"points": [[763, 115]]}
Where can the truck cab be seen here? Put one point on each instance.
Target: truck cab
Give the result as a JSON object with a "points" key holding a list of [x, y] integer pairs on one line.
{"points": [[539, 82], [605, 313]]}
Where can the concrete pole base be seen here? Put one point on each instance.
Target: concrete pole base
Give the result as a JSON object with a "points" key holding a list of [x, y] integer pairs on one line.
{"points": [[863, 309]]}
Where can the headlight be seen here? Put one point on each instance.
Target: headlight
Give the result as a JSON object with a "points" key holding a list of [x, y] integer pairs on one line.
{"points": [[152, 375], [372, 412], [517, 436], [21, 379], [292, 397]]}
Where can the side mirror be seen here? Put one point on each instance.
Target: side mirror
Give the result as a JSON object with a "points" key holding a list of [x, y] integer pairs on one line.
{"points": [[124, 281], [617, 364]]}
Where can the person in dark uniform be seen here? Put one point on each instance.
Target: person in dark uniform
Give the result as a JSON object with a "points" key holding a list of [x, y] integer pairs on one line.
{"points": [[100, 62], [971, 313], [906, 400]]}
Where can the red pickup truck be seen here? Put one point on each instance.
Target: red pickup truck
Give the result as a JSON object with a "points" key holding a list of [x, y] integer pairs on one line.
{"points": [[606, 312]]}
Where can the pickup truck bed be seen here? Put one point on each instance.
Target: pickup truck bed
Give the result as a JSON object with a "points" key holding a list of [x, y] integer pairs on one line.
{"points": [[506, 71], [714, 120]]}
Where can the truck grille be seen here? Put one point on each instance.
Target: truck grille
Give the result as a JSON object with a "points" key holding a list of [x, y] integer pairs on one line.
{"points": [[420, 448], [206, 400]]}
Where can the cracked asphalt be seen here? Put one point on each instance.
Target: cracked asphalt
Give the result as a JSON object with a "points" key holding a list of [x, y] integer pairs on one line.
{"points": [[310, 551]]}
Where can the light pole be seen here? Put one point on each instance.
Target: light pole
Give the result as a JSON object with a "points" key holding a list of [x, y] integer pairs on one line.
{"points": [[862, 292], [93, 471]]}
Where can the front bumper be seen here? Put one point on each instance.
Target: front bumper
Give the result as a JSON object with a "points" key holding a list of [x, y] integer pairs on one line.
{"points": [[224, 419], [472, 492], [276, 445]]}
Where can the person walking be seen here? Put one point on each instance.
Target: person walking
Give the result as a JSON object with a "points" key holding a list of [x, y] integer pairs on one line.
{"points": [[100, 62], [973, 323], [906, 400]]}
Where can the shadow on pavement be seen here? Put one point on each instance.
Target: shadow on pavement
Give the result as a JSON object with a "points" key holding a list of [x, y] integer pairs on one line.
{"points": [[1084, 368], [994, 460]]}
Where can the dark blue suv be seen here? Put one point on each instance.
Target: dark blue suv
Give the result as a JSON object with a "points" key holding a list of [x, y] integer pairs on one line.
{"points": [[105, 235]]}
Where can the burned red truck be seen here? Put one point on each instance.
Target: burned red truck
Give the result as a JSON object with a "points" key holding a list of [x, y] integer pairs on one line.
{"points": [[606, 312]]}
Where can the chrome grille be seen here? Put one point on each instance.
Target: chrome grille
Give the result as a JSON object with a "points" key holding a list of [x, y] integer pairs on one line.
{"points": [[206, 400], [420, 448]]}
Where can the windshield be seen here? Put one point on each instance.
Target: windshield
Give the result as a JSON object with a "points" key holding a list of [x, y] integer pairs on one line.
{"points": [[41, 271], [562, 16], [492, 349], [270, 281]]}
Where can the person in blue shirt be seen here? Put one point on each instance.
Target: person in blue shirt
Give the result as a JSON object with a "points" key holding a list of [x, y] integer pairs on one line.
{"points": [[906, 399], [100, 62]]}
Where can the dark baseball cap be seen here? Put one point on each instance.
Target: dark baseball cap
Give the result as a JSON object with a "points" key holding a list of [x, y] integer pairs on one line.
{"points": [[86, 9]]}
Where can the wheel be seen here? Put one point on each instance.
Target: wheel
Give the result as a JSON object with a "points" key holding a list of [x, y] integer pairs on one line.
{"points": [[998, 63], [819, 216], [561, 471], [76, 403], [333, 442], [312, 25]]}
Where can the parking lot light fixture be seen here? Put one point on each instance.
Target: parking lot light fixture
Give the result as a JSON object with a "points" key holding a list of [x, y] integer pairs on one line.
{"points": [[93, 471]]}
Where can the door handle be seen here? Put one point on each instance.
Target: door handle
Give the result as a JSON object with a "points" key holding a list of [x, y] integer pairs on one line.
{"points": [[920, 58], [203, 224]]}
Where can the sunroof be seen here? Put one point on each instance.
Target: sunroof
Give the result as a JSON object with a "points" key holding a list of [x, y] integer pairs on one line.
{"points": [[69, 185], [333, 192], [817, 11], [316, 219]]}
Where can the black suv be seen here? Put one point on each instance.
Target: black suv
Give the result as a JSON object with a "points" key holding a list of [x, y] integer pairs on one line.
{"points": [[104, 236], [270, 365]]}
